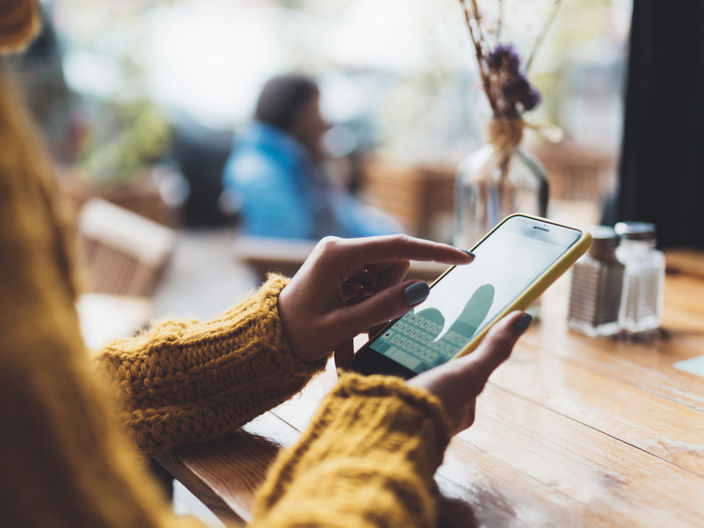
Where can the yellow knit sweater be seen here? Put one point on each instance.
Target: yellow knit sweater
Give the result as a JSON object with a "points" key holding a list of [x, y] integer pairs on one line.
{"points": [[367, 459]]}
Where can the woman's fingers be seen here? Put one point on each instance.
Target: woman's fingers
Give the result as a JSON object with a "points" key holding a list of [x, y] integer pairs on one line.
{"points": [[389, 274], [395, 247], [373, 278], [381, 307], [349, 255]]}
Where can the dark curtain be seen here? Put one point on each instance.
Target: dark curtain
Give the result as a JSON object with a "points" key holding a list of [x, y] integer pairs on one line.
{"points": [[662, 163]]}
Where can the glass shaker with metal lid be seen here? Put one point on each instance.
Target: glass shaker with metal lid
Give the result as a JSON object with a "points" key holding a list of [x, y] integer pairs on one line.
{"points": [[644, 277], [595, 292]]}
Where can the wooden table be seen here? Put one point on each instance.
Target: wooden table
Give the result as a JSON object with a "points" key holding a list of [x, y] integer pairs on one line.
{"points": [[571, 431]]}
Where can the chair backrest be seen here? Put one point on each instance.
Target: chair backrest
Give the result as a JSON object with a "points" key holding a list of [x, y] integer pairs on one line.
{"points": [[123, 252]]}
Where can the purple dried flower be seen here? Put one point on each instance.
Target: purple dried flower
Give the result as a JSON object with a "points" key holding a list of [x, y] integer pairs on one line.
{"points": [[505, 85], [504, 57], [509, 91], [514, 88], [531, 99]]}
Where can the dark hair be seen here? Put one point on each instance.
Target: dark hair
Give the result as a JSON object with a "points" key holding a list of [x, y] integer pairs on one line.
{"points": [[282, 97]]}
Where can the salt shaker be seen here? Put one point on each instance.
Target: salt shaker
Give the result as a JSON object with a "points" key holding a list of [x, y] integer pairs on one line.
{"points": [[595, 292], [644, 277]]}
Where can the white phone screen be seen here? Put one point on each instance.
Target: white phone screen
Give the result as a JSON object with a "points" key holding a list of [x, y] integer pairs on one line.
{"points": [[469, 297]]}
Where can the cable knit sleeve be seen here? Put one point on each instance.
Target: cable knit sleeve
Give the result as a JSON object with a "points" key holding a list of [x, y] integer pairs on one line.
{"points": [[367, 460], [185, 381]]}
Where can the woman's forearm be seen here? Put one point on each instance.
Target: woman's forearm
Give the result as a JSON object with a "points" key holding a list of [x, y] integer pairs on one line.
{"points": [[184, 381]]}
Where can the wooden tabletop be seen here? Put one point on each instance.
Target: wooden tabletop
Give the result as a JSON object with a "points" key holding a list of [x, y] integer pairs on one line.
{"points": [[571, 431]]}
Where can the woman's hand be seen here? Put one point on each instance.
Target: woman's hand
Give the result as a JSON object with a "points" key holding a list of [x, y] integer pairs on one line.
{"points": [[458, 383], [347, 286]]}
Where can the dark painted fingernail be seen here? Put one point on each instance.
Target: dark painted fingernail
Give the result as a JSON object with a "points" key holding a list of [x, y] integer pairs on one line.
{"points": [[468, 252], [415, 293], [522, 323]]}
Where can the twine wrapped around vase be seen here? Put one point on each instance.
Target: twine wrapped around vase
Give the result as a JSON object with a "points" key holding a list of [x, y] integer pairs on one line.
{"points": [[504, 134]]}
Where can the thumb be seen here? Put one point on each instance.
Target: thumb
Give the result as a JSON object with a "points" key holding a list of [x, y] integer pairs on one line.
{"points": [[494, 350], [383, 306]]}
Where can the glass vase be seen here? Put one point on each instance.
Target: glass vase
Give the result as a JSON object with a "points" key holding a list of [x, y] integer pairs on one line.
{"points": [[492, 184]]}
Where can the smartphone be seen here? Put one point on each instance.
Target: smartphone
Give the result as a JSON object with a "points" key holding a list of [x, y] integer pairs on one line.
{"points": [[514, 263]]}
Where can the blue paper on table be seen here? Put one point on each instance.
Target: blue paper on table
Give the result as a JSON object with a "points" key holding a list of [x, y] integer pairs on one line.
{"points": [[694, 365]]}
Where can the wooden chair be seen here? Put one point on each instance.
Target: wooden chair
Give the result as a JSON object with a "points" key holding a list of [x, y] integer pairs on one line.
{"points": [[123, 253], [422, 197], [578, 172]]}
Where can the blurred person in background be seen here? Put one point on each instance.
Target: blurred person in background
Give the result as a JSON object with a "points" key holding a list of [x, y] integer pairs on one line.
{"points": [[275, 171]]}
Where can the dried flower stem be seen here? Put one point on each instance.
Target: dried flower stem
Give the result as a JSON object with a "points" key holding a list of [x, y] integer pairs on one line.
{"points": [[500, 23], [478, 18], [478, 49], [543, 33]]}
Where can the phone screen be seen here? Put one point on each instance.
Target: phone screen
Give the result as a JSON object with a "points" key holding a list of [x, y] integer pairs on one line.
{"points": [[469, 297]]}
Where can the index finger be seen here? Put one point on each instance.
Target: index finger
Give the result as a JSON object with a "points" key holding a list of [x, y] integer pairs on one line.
{"points": [[369, 250]]}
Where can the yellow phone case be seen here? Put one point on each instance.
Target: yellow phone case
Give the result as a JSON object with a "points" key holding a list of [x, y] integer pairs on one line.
{"points": [[546, 279]]}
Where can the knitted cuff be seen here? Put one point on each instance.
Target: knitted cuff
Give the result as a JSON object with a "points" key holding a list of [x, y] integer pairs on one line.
{"points": [[272, 329], [352, 385], [373, 421], [384, 417]]}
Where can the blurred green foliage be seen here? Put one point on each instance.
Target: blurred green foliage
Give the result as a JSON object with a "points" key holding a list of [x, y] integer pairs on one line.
{"points": [[132, 136]]}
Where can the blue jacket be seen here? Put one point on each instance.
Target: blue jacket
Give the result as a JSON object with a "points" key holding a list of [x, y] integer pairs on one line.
{"points": [[282, 194]]}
